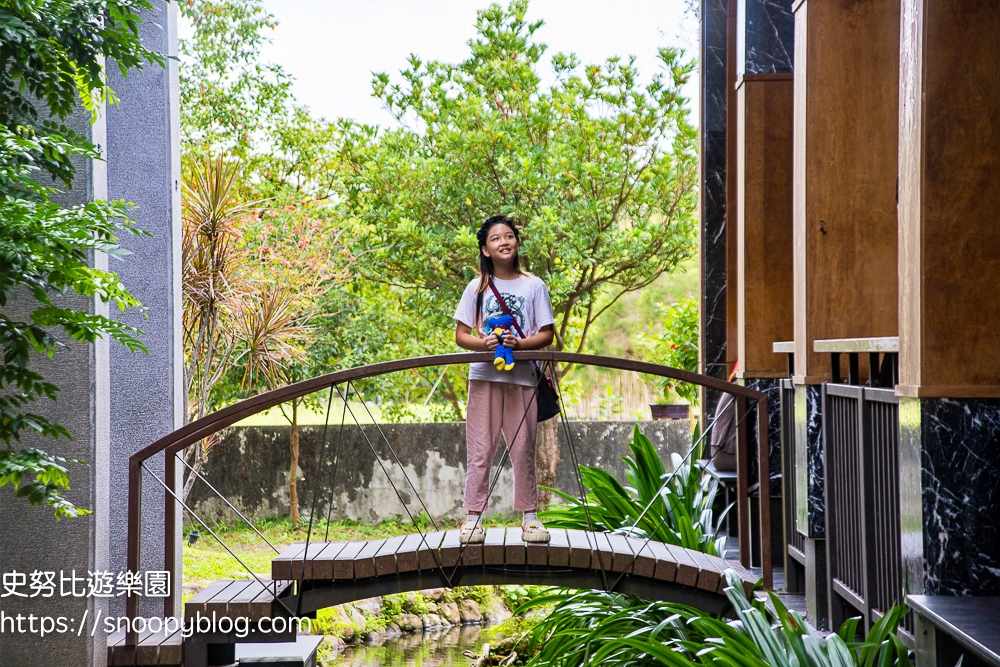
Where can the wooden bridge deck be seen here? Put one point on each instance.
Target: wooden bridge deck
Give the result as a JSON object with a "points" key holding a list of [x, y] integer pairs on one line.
{"points": [[336, 572]]}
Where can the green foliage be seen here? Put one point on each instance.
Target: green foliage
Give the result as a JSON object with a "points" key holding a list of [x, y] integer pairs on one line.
{"points": [[675, 508], [676, 345], [54, 51], [598, 169], [596, 627], [52, 56]]}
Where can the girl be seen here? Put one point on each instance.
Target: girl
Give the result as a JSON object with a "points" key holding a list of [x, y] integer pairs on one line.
{"points": [[502, 400]]}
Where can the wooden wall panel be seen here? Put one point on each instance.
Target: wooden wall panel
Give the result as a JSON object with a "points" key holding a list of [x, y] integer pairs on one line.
{"points": [[845, 223], [764, 178], [949, 192]]}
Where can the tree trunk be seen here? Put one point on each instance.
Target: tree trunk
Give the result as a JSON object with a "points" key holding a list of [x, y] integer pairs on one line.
{"points": [[293, 468], [547, 459], [200, 456]]}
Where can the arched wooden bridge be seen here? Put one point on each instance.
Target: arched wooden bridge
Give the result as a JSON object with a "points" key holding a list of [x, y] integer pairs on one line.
{"points": [[308, 577]]}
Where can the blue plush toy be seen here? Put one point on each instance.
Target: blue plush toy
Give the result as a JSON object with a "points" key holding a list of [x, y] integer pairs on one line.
{"points": [[504, 356]]}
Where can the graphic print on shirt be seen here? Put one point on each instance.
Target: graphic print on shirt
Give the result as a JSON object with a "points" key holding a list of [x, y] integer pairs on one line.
{"points": [[491, 308]]}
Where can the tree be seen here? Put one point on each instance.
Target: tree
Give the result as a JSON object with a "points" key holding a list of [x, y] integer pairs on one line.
{"points": [[52, 57], [599, 170], [282, 245]]}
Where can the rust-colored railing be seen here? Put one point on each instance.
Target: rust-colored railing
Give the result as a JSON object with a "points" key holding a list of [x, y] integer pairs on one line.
{"points": [[861, 450], [195, 431]]}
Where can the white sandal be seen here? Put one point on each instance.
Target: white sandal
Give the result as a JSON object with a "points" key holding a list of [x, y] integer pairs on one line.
{"points": [[534, 531], [472, 533]]}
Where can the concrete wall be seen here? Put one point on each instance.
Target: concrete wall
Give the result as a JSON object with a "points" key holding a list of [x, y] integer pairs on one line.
{"points": [[250, 464]]}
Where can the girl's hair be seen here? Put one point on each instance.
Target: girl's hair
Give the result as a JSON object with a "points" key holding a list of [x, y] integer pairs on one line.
{"points": [[486, 264]]}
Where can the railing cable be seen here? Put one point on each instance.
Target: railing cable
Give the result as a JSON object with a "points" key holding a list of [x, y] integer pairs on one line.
{"points": [[219, 540], [229, 504], [312, 510], [663, 520], [336, 463], [575, 460], [496, 476], [423, 536]]}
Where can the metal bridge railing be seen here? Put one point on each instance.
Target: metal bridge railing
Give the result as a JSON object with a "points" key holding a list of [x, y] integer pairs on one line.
{"points": [[174, 443]]}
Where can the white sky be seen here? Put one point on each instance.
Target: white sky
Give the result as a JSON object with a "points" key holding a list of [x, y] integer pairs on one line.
{"points": [[332, 47]]}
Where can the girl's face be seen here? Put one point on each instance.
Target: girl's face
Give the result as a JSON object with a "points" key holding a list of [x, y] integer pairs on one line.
{"points": [[501, 244]]}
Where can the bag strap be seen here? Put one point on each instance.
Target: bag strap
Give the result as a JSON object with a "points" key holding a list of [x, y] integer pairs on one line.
{"points": [[505, 309]]}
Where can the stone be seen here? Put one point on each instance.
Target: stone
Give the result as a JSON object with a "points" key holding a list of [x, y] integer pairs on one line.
{"points": [[410, 623], [497, 611], [369, 606], [335, 643], [393, 631], [431, 621], [432, 607], [469, 612], [449, 611], [434, 594]]}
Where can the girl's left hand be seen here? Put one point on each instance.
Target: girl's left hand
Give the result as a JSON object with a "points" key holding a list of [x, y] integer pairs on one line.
{"points": [[510, 340]]}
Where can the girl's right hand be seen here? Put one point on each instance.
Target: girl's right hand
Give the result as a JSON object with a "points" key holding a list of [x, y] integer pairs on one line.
{"points": [[491, 342]]}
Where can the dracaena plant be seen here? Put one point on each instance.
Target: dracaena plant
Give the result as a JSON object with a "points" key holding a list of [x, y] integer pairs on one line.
{"points": [[671, 507]]}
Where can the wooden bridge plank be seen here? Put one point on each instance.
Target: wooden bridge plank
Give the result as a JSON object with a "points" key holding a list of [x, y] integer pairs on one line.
{"points": [[471, 555], [666, 566], [298, 564], [321, 567], [170, 650], [451, 547], [198, 602], [645, 562], [385, 559], [514, 549], [264, 605], [281, 565], [709, 575], [364, 563], [558, 548], [745, 575], [406, 554], [603, 553], [148, 650], [622, 558], [493, 545], [538, 552], [580, 548], [343, 564], [687, 569], [238, 600], [428, 557], [129, 655]]}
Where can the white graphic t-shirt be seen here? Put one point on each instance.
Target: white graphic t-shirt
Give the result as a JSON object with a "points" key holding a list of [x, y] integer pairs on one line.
{"points": [[528, 301]]}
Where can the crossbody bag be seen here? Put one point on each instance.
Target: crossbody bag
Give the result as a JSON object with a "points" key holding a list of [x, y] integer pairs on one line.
{"points": [[545, 397]]}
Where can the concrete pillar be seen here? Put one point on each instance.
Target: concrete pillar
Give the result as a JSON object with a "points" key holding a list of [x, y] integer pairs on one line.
{"points": [[147, 390], [31, 540], [949, 274], [112, 402], [844, 210]]}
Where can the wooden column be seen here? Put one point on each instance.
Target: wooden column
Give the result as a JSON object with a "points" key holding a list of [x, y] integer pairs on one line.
{"points": [[764, 205], [846, 133], [949, 166]]}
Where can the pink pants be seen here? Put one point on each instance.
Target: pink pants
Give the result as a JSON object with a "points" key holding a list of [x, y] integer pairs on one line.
{"points": [[494, 407]]}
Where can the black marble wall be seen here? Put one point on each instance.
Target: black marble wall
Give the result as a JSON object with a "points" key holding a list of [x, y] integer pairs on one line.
{"points": [[772, 387], [713, 192], [766, 36], [810, 501], [951, 518]]}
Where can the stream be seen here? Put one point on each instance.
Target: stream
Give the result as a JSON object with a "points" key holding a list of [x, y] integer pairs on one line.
{"points": [[431, 649]]}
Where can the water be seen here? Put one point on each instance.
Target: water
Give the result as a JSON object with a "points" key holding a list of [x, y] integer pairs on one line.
{"points": [[432, 649]]}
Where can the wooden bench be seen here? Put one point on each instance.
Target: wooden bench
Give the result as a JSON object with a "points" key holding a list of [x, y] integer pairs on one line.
{"points": [[947, 628]]}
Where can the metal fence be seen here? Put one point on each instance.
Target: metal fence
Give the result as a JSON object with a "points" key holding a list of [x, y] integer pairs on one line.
{"points": [[861, 454]]}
